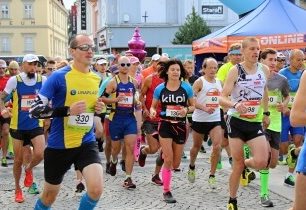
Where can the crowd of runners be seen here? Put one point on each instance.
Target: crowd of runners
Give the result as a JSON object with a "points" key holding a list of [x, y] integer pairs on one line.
{"points": [[67, 113]]}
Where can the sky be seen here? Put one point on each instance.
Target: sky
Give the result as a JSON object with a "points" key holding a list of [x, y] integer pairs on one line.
{"points": [[68, 3]]}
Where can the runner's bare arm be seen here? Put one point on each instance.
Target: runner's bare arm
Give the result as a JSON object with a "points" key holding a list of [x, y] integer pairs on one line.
{"points": [[265, 98], [197, 86], [153, 108], [3, 95], [110, 88], [228, 88], [144, 89]]}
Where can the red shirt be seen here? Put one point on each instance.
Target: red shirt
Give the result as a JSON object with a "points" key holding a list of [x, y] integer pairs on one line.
{"points": [[149, 95], [148, 71], [3, 81]]}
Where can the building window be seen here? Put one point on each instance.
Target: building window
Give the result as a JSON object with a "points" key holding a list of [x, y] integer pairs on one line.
{"points": [[28, 43], [4, 11], [28, 10], [5, 44]]}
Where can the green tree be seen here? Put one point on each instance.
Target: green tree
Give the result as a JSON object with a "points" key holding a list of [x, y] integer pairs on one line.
{"points": [[194, 28]]}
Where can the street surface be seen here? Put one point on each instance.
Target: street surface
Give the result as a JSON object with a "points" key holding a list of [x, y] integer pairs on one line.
{"points": [[196, 195]]}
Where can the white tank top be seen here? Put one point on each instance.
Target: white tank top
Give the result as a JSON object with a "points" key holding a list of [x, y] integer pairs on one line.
{"points": [[209, 97], [249, 89]]}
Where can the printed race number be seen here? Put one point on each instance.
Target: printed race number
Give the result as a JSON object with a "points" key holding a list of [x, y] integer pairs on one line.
{"points": [[81, 120], [252, 109], [27, 101], [127, 101], [212, 99], [273, 100], [173, 111]]}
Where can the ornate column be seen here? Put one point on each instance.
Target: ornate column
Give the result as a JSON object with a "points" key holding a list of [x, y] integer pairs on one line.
{"points": [[137, 46]]}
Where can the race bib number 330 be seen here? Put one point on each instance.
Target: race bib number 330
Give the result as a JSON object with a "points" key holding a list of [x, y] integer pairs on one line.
{"points": [[82, 121]]}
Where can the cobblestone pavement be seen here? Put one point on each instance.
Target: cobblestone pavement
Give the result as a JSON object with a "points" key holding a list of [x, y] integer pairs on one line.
{"points": [[147, 196]]}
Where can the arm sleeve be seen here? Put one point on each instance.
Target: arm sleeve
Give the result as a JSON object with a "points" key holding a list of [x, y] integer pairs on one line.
{"points": [[11, 85], [188, 89], [157, 91], [285, 88]]}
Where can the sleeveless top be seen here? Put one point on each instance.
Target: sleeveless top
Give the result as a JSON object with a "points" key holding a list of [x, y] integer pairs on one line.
{"points": [[23, 98], [125, 106], [249, 89], [209, 97]]}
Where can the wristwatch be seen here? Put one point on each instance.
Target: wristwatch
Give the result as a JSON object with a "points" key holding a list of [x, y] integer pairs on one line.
{"points": [[266, 113]]}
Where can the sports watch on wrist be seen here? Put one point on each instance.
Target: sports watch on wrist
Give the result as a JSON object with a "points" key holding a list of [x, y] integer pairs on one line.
{"points": [[266, 113]]}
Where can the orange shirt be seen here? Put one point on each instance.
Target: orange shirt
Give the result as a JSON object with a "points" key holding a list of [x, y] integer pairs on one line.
{"points": [[148, 71]]}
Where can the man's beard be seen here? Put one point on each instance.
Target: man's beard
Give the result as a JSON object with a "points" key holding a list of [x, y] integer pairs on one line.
{"points": [[31, 75]]}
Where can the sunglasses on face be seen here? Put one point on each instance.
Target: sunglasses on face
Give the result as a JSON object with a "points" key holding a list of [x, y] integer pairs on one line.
{"points": [[125, 64], [85, 47]]}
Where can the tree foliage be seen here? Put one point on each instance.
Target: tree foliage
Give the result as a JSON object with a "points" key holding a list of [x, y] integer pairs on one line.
{"points": [[194, 28]]}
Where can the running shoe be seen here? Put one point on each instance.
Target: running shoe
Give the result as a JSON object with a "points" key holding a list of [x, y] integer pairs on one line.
{"points": [[212, 182], [281, 160], [202, 150], [232, 206], [80, 188], [10, 156], [122, 163], [244, 179], [33, 189], [191, 175], [156, 180], [250, 174], [107, 170], [169, 198], [112, 168], [290, 181], [19, 196], [265, 201], [128, 184], [184, 156], [291, 162], [142, 157], [4, 162], [28, 179]]}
